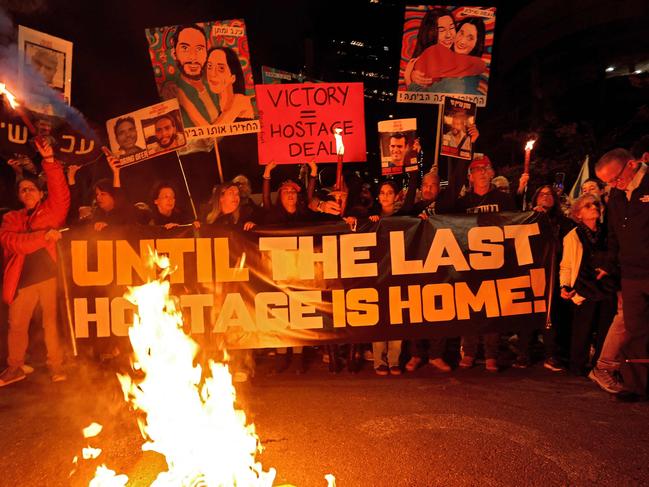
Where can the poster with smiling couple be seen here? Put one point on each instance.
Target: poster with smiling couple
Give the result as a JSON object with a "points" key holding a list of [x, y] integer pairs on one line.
{"points": [[206, 66], [446, 51]]}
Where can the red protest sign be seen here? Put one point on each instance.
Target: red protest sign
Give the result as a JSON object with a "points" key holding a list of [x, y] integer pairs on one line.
{"points": [[298, 122]]}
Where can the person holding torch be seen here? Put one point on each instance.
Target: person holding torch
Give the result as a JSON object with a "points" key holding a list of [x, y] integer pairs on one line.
{"points": [[28, 238]]}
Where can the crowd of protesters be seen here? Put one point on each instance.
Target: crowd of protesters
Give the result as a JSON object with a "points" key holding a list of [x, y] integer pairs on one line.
{"points": [[599, 320]]}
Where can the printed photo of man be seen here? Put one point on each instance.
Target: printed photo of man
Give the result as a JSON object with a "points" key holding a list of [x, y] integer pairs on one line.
{"points": [[167, 136], [47, 62], [126, 136], [457, 136], [399, 149]]}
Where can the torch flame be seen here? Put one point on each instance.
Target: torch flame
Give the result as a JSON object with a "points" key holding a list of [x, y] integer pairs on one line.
{"points": [[9, 96], [340, 148], [530, 144]]}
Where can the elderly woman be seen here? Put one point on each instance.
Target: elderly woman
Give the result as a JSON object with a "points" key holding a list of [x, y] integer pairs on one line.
{"points": [[594, 301]]}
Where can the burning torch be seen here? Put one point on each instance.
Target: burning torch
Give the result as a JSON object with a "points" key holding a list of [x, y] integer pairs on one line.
{"points": [[340, 152], [529, 145], [15, 106]]}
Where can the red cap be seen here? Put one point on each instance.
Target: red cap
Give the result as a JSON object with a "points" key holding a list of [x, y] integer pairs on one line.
{"points": [[479, 160]]}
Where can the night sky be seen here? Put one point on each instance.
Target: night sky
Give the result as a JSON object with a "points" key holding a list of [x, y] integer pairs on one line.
{"points": [[112, 73]]}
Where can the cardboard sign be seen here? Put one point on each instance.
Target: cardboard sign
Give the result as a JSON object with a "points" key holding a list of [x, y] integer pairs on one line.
{"points": [[298, 122], [146, 133], [206, 66], [399, 146], [51, 58], [446, 51], [459, 115]]}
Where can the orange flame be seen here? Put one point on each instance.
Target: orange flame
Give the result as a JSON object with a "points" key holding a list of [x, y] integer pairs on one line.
{"points": [[9, 96], [190, 417], [340, 148], [530, 144]]}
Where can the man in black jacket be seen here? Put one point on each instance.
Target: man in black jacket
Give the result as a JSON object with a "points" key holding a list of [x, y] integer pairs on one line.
{"points": [[628, 223]]}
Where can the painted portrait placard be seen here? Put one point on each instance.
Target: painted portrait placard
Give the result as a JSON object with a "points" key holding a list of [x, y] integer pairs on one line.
{"points": [[446, 51], [206, 67]]}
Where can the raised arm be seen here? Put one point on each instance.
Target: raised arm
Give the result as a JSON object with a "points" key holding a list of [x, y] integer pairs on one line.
{"points": [[58, 193], [266, 186]]}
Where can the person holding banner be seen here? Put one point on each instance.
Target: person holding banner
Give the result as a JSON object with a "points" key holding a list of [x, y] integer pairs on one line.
{"points": [[28, 238], [289, 207], [111, 205], [165, 213], [481, 198], [434, 347], [224, 208], [386, 354]]}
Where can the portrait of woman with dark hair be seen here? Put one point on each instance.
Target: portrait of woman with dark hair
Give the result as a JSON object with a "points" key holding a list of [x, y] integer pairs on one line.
{"points": [[226, 80], [449, 68]]}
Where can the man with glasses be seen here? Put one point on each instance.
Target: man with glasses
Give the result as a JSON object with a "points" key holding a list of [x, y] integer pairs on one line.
{"points": [[483, 197], [628, 223]]}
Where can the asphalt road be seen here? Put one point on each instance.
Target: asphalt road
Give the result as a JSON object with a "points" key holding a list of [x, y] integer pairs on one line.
{"points": [[517, 427]]}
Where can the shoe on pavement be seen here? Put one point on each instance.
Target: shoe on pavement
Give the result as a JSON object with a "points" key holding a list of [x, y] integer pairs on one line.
{"points": [[413, 363], [554, 365], [606, 380], [58, 377], [491, 365], [395, 370], [11, 375], [27, 369], [382, 370], [521, 362], [467, 362], [439, 364]]}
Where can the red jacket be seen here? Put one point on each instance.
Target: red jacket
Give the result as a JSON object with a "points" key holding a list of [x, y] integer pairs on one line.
{"points": [[18, 240]]}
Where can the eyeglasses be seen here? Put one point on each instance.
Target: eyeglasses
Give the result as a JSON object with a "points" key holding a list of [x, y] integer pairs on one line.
{"points": [[618, 176], [545, 193]]}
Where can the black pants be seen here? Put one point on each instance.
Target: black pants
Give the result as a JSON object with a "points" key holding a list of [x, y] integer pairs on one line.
{"points": [[635, 296], [588, 317]]}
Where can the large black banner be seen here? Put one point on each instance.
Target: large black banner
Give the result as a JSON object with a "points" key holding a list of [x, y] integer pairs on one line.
{"points": [[396, 279]]}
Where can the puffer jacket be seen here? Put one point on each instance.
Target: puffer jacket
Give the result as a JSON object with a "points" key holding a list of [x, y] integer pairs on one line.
{"points": [[22, 234]]}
